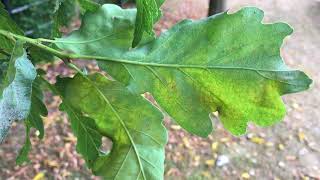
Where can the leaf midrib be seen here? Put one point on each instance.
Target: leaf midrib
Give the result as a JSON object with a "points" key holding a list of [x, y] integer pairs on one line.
{"points": [[192, 66]]}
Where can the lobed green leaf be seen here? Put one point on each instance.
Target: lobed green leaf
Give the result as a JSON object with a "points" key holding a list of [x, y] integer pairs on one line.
{"points": [[85, 129], [131, 122], [228, 63]]}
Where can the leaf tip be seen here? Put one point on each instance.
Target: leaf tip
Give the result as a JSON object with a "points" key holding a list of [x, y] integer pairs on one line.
{"points": [[237, 130], [284, 28], [252, 12]]}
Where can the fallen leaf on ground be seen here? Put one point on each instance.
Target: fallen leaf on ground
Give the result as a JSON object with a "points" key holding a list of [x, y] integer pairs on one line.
{"points": [[301, 136], [224, 140], [257, 140], [245, 175], [186, 142], [210, 162], [214, 146], [281, 147], [269, 144], [175, 127], [39, 176], [206, 174], [51, 163]]}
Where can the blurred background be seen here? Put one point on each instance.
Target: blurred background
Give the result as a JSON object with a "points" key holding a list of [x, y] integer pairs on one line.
{"points": [[288, 150]]}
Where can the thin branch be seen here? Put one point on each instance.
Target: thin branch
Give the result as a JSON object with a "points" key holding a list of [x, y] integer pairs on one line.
{"points": [[64, 55], [38, 44]]}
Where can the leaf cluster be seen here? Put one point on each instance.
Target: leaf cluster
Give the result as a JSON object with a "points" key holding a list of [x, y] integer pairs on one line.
{"points": [[227, 63]]}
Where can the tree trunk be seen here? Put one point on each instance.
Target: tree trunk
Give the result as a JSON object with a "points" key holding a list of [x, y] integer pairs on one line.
{"points": [[216, 6]]}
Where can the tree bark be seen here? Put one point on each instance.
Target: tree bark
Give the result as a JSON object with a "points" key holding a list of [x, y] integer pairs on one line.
{"points": [[216, 6]]}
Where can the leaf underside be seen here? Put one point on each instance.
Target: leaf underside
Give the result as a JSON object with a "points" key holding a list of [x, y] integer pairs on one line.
{"points": [[16, 89], [228, 63]]}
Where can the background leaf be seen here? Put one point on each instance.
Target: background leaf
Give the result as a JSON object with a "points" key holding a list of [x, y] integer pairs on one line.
{"points": [[228, 63], [62, 15], [38, 109], [7, 24], [24, 151], [88, 5], [37, 55], [138, 136], [65, 10], [147, 15], [34, 119]]}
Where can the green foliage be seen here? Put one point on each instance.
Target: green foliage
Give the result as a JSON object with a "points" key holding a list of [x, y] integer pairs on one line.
{"points": [[147, 15], [7, 24], [85, 129], [229, 63], [38, 109], [60, 19], [37, 19], [24, 151], [88, 5], [43, 15], [34, 119]]}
